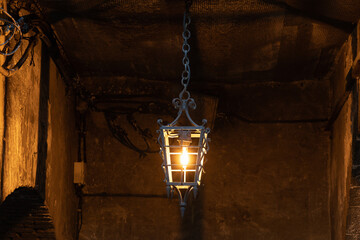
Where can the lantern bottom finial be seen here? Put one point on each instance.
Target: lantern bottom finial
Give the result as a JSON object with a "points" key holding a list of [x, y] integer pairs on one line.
{"points": [[182, 209]]}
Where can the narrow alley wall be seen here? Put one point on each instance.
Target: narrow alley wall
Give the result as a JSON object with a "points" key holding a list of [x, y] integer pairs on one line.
{"points": [[353, 211], [21, 123], [61, 153], [41, 138], [342, 137], [266, 174]]}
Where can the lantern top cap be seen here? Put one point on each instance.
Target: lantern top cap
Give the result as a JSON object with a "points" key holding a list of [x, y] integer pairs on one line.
{"points": [[183, 105]]}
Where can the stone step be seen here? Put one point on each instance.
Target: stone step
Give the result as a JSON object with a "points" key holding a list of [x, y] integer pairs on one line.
{"points": [[23, 215]]}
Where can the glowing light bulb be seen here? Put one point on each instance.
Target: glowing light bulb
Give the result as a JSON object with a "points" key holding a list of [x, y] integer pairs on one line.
{"points": [[184, 158]]}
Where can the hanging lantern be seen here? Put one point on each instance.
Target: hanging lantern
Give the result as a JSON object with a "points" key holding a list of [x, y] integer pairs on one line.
{"points": [[183, 148]]}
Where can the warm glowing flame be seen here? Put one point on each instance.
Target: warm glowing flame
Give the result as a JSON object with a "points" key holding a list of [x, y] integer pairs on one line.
{"points": [[184, 158]]}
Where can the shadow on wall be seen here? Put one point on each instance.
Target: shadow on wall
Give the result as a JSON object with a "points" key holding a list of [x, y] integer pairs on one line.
{"points": [[23, 214], [43, 121]]}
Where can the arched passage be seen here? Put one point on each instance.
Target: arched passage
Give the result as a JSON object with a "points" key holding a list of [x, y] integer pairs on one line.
{"points": [[23, 215]]}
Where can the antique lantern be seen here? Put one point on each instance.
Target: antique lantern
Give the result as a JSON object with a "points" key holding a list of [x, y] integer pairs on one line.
{"points": [[183, 148]]}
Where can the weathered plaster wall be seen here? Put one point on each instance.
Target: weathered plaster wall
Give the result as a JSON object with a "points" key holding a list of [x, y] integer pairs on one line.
{"points": [[264, 180], [341, 143], [61, 153], [352, 221], [267, 182], [21, 122], [40, 141]]}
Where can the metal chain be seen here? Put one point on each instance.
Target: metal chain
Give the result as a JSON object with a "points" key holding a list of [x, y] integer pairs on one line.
{"points": [[185, 76]]}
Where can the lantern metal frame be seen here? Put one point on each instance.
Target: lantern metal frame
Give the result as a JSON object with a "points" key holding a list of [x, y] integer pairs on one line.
{"points": [[170, 152], [183, 179]]}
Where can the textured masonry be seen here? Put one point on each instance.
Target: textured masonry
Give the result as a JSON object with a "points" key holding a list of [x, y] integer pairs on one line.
{"points": [[23, 215]]}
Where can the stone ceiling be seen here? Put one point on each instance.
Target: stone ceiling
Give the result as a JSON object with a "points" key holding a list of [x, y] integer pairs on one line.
{"points": [[235, 41]]}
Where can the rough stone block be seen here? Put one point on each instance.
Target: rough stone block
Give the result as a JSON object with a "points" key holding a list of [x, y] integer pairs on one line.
{"points": [[352, 237], [353, 224], [354, 196]]}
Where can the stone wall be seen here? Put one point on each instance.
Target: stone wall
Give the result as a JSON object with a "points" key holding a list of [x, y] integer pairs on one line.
{"points": [[41, 139], [266, 175], [342, 137], [23, 215], [21, 123], [61, 145], [353, 223]]}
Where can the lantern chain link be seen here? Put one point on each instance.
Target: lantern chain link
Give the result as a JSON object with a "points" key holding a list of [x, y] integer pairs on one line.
{"points": [[185, 76]]}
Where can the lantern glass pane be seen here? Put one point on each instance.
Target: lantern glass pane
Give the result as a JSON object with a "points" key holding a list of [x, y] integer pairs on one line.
{"points": [[183, 169]]}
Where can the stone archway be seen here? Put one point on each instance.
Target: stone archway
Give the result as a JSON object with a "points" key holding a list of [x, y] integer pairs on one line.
{"points": [[23, 215]]}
